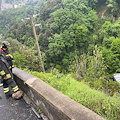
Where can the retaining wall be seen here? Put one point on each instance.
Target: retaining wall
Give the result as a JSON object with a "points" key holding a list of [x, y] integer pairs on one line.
{"points": [[54, 104]]}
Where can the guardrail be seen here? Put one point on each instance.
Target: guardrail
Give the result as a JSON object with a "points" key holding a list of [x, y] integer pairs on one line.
{"points": [[54, 104]]}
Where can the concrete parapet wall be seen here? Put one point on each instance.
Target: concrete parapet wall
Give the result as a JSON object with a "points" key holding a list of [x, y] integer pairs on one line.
{"points": [[54, 104]]}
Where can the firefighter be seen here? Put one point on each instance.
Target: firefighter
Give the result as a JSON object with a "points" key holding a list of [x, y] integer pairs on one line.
{"points": [[5, 45], [9, 86]]}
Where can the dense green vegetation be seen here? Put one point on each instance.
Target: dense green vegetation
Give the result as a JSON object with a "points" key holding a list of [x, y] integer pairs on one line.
{"points": [[79, 37], [69, 29]]}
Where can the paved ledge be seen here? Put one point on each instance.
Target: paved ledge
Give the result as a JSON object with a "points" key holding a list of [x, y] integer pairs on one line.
{"points": [[11, 109], [54, 104]]}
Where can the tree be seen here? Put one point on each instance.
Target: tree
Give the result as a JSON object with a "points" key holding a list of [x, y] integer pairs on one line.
{"points": [[19, 60], [93, 19], [107, 28], [112, 7], [81, 38], [92, 3], [56, 47], [111, 54], [91, 68]]}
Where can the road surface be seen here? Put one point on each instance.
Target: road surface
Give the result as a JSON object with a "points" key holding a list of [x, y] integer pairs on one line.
{"points": [[11, 109]]}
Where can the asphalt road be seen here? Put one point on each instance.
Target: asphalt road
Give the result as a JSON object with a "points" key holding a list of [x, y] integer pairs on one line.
{"points": [[11, 109]]}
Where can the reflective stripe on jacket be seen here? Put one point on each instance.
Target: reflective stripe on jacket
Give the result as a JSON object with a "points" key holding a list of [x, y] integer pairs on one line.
{"points": [[8, 57]]}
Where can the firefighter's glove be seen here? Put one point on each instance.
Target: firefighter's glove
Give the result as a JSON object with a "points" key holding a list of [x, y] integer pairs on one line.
{"points": [[5, 78]]}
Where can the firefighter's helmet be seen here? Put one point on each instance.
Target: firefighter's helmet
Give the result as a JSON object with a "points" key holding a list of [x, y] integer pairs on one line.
{"points": [[5, 44]]}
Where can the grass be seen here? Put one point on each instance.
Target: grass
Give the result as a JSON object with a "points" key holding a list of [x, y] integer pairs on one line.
{"points": [[104, 105]]}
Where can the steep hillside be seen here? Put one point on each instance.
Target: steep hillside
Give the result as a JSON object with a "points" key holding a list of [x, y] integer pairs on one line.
{"points": [[68, 29]]}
